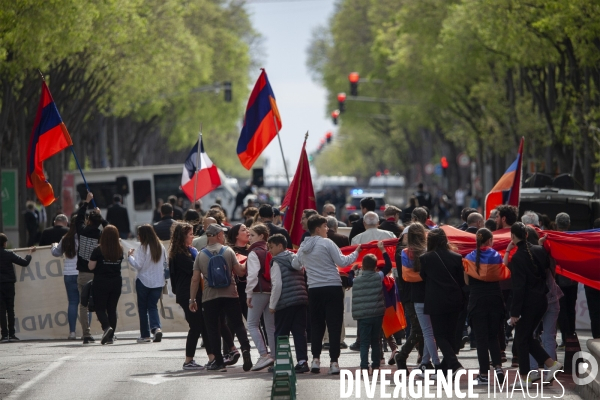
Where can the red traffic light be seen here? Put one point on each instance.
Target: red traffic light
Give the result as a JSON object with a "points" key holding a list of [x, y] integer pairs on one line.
{"points": [[328, 135], [386, 172], [341, 97], [444, 162], [335, 113], [353, 77], [378, 173], [322, 142]]}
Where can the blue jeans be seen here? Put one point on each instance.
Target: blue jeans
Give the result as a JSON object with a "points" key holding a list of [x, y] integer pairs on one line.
{"points": [[73, 297], [147, 307], [549, 333], [430, 348]]}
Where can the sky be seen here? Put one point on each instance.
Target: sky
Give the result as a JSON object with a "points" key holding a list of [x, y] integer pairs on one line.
{"points": [[286, 27]]}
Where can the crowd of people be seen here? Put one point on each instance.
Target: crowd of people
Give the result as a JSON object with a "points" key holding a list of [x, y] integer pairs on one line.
{"points": [[223, 274]]}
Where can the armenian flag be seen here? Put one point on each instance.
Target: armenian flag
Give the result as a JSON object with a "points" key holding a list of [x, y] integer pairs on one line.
{"points": [[393, 319], [408, 272], [491, 267], [48, 137], [261, 122], [508, 188]]}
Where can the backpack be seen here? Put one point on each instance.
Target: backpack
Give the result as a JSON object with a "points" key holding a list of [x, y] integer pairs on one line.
{"points": [[219, 275]]}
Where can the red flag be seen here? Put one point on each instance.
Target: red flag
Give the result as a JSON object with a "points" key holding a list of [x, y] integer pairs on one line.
{"points": [[49, 137], [298, 198], [508, 188]]}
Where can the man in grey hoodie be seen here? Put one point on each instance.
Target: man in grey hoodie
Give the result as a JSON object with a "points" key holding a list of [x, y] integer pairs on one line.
{"points": [[321, 257]]}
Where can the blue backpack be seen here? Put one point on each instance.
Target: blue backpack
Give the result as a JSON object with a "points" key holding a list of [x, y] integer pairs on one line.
{"points": [[218, 274]]}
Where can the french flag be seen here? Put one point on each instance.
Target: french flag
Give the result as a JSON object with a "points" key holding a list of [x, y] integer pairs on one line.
{"points": [[203, 178]]}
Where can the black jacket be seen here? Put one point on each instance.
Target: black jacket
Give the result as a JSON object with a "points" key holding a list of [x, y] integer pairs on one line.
{"points": [[53, 235], [528, 282], [182, 269], [443, 284], [390, 226], [358, 227], [7, 270], [163, 227], [471, 229], [273, 229], [117, 215], [89, 237]]}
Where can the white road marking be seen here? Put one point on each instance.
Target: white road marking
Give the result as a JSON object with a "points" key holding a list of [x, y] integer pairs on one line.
{"points": [[24, 387], [155, 379]]}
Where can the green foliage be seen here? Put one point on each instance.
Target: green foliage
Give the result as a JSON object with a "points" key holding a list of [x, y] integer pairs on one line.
{"points": [[479, 74], [155, 65]]}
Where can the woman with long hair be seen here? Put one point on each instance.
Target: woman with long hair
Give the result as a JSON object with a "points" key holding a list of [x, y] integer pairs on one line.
{"points": [[149, 265], [181, 263], [443, 274], [237, 238], [258, 295], [411, 272], [106, 261], [486, 305], [529, 303], [68, 246]]}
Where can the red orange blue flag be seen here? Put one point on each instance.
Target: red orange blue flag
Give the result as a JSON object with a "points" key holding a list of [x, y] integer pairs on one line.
{"points": [[507, 190], [49, 137], [261, 122]]}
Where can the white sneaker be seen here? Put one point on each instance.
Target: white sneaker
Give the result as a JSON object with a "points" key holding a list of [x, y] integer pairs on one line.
{"points": [[72, 336], [144, 340], [549, 374], [315, 367], [263, 362], [334, 368]]}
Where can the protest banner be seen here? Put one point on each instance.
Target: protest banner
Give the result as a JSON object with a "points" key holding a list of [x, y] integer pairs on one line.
{"points": [[41, 299]]}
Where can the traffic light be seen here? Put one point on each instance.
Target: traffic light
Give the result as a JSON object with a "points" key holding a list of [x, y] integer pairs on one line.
{"points": [[353, 78], [311, 158], [444, 163], [328, 136], [342, 101], [227, 91], [335, 115]]}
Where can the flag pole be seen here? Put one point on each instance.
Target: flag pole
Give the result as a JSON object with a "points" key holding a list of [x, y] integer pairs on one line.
{"points": [[197, 164], [287, 176], [81, 171]]}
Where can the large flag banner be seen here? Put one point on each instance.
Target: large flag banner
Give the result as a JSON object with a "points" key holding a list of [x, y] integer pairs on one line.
{"points": [[261, 122], [508, 188], [298, 198], [49, 137], [204, 180]]}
